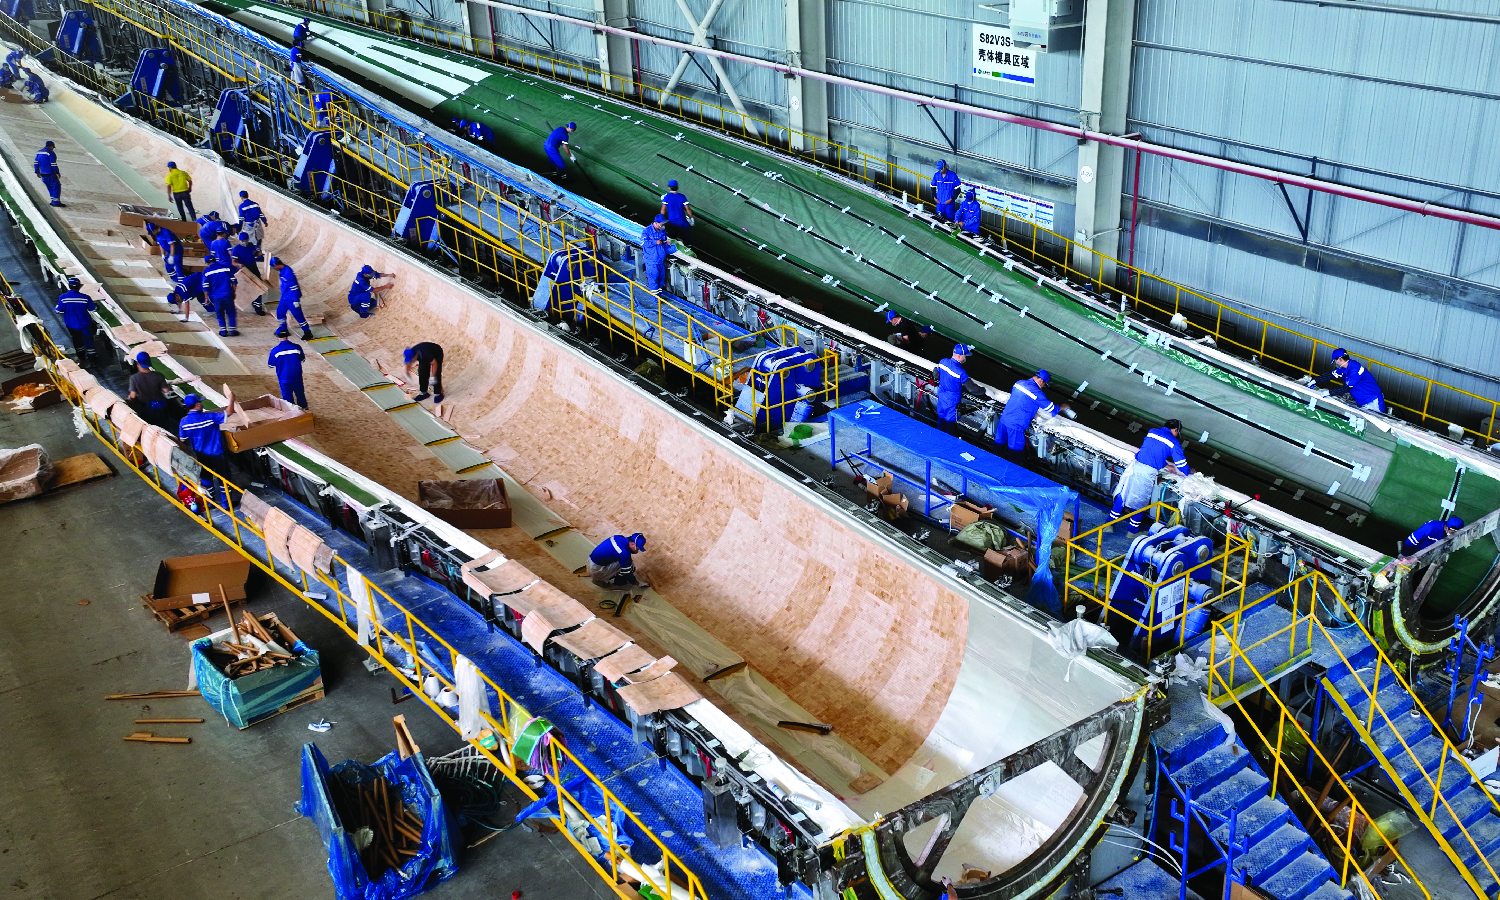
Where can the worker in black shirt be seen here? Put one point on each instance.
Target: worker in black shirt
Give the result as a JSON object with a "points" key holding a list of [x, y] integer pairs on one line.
{"points": [[427, 359], [909, 335], [148, 391]]}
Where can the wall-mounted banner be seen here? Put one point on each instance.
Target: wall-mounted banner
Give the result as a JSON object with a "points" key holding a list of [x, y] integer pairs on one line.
{"points": [[1030, 209], [996, 56]]}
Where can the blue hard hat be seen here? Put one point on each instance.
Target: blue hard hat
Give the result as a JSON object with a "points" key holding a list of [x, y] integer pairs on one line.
{"points": [[660, 219], [367, 270], [245, 194], [1340, 353], [244, 236], [192, 400], [892, 315], [274, 261], [171, 165], [639, 540], [143, 358], [409, 353], [1044, 375], [1455, 522], [942, 163], [572, 125], [962, 349], [672, 183]]}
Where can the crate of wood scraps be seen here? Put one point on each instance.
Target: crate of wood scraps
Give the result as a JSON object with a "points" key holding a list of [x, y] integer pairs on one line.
{"points": [[386, 827], [255, 669]]}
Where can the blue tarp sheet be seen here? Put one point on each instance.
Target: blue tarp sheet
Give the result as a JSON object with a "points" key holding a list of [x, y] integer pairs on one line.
{"points": [[436, 861], [245, 700], [906, 447]]}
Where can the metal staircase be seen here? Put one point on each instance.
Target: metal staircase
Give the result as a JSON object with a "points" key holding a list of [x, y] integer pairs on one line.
{"points": [[1228, 796], [1432, 777], [1307, 622]]}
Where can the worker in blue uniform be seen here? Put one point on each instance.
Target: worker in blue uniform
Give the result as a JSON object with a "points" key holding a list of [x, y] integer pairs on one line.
{"points": [[1160, 449], [74, 306], [1027, 398], [252, 219], [1429, 534], [210, 227], [186, 288], [302, 33], [286, 358], [655, 248], [290, 302], [612, 567], [35, 89], [219, 283], [362, 292], [1355, 380], [953, 383], [295, 71], [969, 213], [200, 428], [557, 146], [171, 250], [245, 255], [945, 185], [677, 209], [11, 71], [45, 167]]}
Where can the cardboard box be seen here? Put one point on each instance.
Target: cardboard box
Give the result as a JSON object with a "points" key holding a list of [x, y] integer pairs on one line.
{"points": [[1014, 561], [475, 503], [136, 216], [1064, 531], [46, 398], [963, 513], [881, 486], [272, 419], [183, 576]]}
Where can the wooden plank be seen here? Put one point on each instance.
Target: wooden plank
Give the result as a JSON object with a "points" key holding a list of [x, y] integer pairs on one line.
{"points": [[79, 469], [149, 738], [168, 721], [154, 695], [406, 745]]}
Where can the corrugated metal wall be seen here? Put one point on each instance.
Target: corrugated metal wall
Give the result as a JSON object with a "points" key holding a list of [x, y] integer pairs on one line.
{"points": [[1403, 104], [925, 46]]}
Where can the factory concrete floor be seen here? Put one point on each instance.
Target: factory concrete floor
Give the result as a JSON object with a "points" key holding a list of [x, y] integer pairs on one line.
{"points": [[84, 814]]}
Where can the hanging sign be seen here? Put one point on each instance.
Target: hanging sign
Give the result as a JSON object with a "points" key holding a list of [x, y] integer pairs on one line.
{"points": [[997, 57]]}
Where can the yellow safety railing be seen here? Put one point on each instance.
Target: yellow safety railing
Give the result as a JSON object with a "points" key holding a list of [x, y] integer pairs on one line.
{"points": [[187, 37], [560, 763], [1149, 294], [1284, 783], [683, 337], [1168, 613], [1313, 598]]}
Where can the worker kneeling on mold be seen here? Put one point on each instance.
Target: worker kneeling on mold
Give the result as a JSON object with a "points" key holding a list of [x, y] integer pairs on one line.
{"points": [[1027, 399], [34, 89], [1354, 379], [611, 566], [1160, 449]]}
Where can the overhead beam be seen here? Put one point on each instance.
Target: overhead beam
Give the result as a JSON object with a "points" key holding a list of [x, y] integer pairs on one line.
{"points": [[1339, 190]]}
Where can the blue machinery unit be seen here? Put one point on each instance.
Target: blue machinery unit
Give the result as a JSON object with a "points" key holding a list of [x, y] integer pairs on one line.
{"points": [[155, 79], [20, 10], [1158, 561], [316, 166], [76, 35]]}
